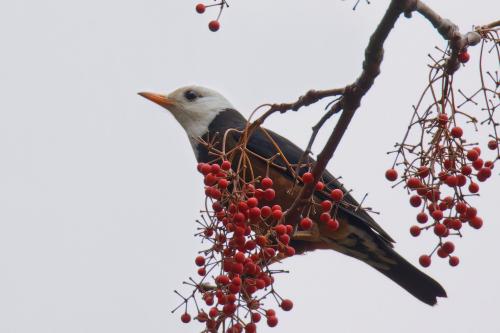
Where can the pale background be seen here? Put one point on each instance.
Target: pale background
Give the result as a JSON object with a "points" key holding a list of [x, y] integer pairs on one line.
{"points": [[98, 189]]}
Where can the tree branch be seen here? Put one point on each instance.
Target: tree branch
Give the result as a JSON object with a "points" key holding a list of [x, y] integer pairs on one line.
{"points": [[449, 31], [311, 97], [351, 100]]}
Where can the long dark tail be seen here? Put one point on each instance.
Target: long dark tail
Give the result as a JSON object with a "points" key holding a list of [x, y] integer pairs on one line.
{"points": [[412, 279], [369, 247]]}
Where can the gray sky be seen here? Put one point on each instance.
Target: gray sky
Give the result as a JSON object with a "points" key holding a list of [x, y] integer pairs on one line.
{"points": [[99, 191]]}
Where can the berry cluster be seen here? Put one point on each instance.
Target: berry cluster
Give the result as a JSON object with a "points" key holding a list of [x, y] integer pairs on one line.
{"points": [[246, 235], [441, 170], [213, 25]]}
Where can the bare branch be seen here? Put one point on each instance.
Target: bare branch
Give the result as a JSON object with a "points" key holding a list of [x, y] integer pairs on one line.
{"points": [[311, 97], [351, 100], [449, 31]]}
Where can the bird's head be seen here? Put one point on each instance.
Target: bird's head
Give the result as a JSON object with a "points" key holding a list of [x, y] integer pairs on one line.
{"points": [[194, 107]]}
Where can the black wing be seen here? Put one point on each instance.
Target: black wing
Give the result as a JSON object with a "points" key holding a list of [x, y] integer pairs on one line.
{"points": [[260, 144]]}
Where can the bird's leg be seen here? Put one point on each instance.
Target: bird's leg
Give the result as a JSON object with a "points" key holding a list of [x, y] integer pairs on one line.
{"points": [[311, 235]]}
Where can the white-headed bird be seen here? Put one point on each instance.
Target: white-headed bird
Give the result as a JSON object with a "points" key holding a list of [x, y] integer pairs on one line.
{"points": [[205, 114]]}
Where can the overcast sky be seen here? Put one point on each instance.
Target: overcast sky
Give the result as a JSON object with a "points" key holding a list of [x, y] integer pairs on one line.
{"points": [[98, 188]]}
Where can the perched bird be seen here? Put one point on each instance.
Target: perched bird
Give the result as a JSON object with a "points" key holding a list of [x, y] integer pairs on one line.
{"points": [[206, 114]]}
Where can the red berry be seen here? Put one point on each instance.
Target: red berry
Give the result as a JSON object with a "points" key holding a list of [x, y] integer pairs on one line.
{"points": [[265, 211], [276, 207], [290, 251], [254, 212], [424, 260], [250, 245], [493, 144], [483, 174], [437, 214], [240, 257], [200, 8], [333, 224], [266, 182], [250, 328], [472, 155], [215, 168], [209, 300], [277, 214], [441, 253], [306, 223], [463, 56], [454, 261], [325, 217], [286, 305], [473, 187], [229, 309], [307, 178], [440, 229], [255, 317], [461, 207], [433, 195], [269, 194], [447, 203], [457, 132], [226, 165], [205, 168], [432, 207], [270, 313], [476, 222], [451, 181], [214, 25], [186, 318], [448, 164], [200, 261], [415, 230], [415, 200], [422, 217], [210, 179], [456, 224], [466, 170], [443, 118], [202, 271], [222, 279], [462, 180], [223, 183], [280, 229], [337, 195], [319, 186], [478, 164], [423, 171], [471, 212], [448, 247], [285, 239], [413, 183], [272, 321], [252, 202], [391, 175], [442, 176], [326, 205]]}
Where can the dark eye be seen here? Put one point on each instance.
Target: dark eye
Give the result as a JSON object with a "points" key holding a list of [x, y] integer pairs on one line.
{"points": [[190, 95]]}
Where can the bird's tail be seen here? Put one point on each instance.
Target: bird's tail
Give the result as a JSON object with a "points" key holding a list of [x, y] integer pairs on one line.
{"points": [[369, 247], [411, 278]]}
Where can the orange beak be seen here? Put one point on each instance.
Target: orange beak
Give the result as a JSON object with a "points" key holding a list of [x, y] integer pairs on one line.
{"points": [[158, 99]]}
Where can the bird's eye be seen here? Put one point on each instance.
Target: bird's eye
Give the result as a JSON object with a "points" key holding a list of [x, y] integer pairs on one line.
{"points": [[190, 95]]}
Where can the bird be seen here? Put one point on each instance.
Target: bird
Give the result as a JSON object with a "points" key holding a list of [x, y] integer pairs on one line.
{"points": [[206, 114]]}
